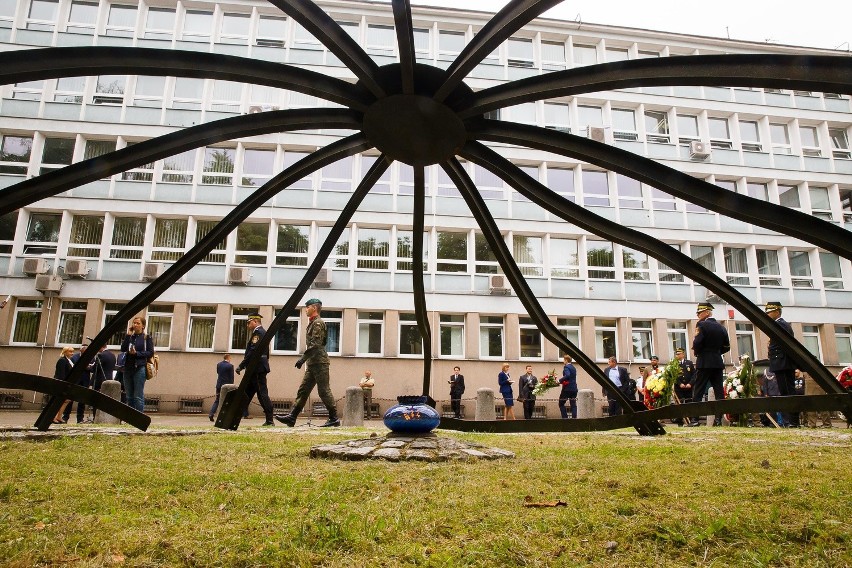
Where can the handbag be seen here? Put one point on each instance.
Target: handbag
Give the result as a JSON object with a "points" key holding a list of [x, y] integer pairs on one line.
{"points": [[152, 367]]}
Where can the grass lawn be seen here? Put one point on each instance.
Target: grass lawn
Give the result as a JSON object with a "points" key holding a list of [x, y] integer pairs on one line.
{"points": [[696, 497]]}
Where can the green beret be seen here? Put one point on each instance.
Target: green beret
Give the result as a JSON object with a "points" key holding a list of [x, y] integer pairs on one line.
{"points": [[312, 301]]}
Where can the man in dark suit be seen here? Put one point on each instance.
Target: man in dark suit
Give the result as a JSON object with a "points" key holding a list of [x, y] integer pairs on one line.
{"points": [[104, 367], [780, 362], [85, 380], [710, 343], [683, 384], [525, 391], [620, 377], [224, 376], [257, 381], [456, 391]]}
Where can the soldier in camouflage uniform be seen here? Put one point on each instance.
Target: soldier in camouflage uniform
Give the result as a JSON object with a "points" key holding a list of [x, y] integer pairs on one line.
{"points": [[317, 372]]}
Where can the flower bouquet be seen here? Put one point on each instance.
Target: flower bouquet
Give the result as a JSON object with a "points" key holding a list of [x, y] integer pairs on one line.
{"points": [[546, 383], [658, 385], [741, 383], [845, 378]]}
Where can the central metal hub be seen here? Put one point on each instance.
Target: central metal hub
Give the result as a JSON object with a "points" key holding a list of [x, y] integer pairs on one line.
{"points": [[414, 129]]}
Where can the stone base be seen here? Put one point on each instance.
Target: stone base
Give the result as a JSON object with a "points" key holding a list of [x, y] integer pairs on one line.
{"points": [[429, 448]]}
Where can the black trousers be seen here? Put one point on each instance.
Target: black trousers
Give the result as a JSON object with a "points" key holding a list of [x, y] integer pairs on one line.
{"points": [[787, 387], [257, 385], [529, 408], [705, 379], [455, 404]]}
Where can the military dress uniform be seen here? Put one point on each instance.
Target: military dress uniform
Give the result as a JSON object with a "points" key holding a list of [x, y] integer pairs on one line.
{"points": [[257, 380], [687, 376], [710, 343], [781, 364]]}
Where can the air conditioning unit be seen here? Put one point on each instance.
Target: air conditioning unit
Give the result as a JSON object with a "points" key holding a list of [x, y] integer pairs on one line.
{"points": [[152, 270], [76, 268], [33, 266], [238, 275], [597, 134], [323, 279], [497, 284], [254, 109], [49, 284], [698, 150]]}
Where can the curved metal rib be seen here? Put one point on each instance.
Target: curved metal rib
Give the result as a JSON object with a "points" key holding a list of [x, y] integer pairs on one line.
{"points": [[77, 174], [405, 41], [492, 235], [232, 407], [573, 213], [768, 215], [420, 313], [514, 15], [825, 73], [54, 62], [322, 157], [337, 41]]}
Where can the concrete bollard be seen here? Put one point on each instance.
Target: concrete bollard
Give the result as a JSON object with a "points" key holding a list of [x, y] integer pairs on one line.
{"points": [[485, 404], [586, 404], [113, 390], [223, 393], [711, 396], [353, 407]]}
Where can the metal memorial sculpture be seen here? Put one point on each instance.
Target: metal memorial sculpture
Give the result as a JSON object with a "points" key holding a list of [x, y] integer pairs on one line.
{"points": [[423, 115]]}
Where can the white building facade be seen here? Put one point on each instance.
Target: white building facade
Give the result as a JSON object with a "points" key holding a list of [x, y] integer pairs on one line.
{"points": [[106, 239]]}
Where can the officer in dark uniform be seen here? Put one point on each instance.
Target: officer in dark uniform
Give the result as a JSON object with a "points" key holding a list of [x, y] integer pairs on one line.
{"points": [[257, 381], [683, 384], [710, 343], [780, 363]]}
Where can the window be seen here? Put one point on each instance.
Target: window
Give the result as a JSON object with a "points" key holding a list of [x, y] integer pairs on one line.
{"points": [[202, 228], [687, 128], [111, 309], [202, 327], [788, 196], [239, 331], [218, 166], [520, 52], [292, 247], [800, 269], [287, 338], [252, 243], [556, 117], [662, 201], [585, 55], [8, 223], [491, 336], [42, 15], [82, 18], [149, 92], [337, 176], [780, 138], [846, 204], [843, 337], [98, 148], [736, 266], [410, 342], [745, 339], [750, 136], [169, 239], [339, 256], [704, 256], [820, 204], [561, 181], [839, 143], [530, 338], [179, 168], [121, 21], [832, 277], [665, 273], [28, 90], [678, 338], [160, 23], [57, 153], [197, 25], [7, 12], [404, 248], [15, 150], [641, 338], [109, 90], [258, 167], [446, 187], [380, 39], [72, 318], [43, 233], [636, 264], [629, 192], [187, 93], [160, 325], [605, 335], [588, 117], [422, 40], [553, 55], [489, 185], [528, 254], [370, 333], [657, 127], [69, 90], [383, 184], [600, 259], [128, 236], [27, 321], [373, 248], [768, 268], [810, 141], [451, 331], [227, 96], [452, 252], [450, 44], [616, 54], [486, 262], [87, 232], [235, 28], [595, 188], [272, 31], [810, 340], [624, 124], [333, 320], [720, 134], [564, 258], [570, 328]]}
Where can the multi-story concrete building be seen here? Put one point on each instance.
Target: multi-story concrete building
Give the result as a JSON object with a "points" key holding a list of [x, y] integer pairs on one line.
{"points": [[106, 239]]}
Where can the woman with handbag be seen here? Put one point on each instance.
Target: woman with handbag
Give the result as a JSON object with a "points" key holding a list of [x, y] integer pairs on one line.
{"points": [[138, 346], [63, 369]]}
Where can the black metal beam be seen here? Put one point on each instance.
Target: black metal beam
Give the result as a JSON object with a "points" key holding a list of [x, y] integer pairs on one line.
{"points": [[405, 41], [514, 15], [420, 313], [52, 183], [824, 73], [573, 213], [786, 221], [55, 62], [335, 39]]}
